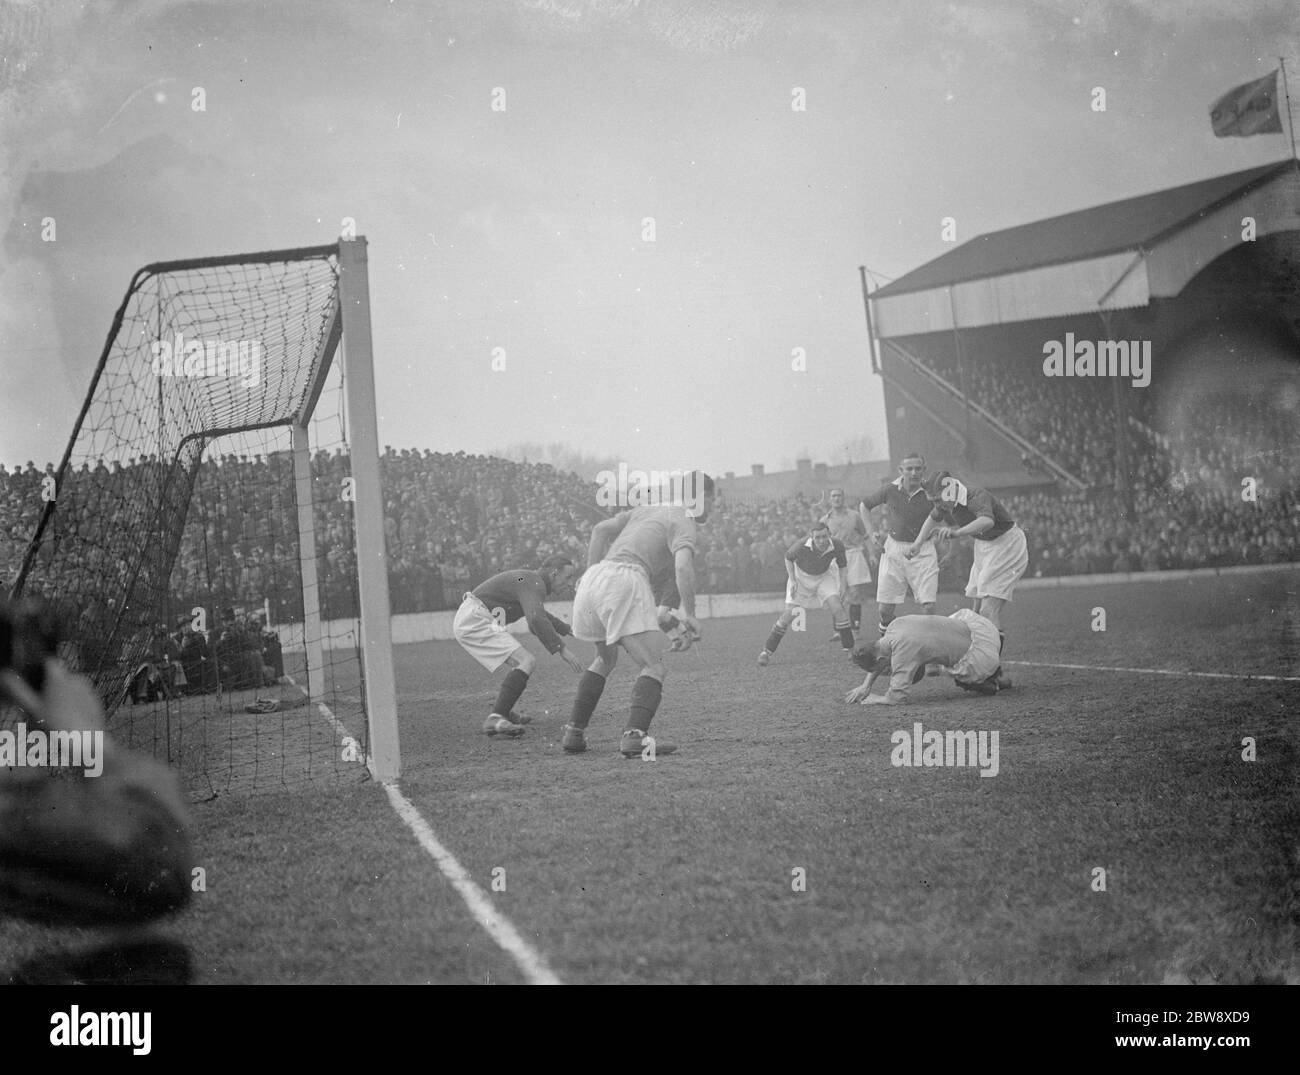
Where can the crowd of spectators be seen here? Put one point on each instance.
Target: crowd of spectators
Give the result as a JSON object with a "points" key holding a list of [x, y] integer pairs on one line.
{"points": [[452, 520]]}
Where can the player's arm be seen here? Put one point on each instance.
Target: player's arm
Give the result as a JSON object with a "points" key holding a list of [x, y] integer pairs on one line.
{"points": [[561, 628], [684, 567], [872, 500], [603, 535], [981, 503], [790, 554], [927, 528], [977, 526], [840, 565], [542, 624], [900, 683], [860, 694]]}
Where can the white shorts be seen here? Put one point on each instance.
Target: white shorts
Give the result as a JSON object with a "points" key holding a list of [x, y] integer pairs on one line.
{"points": [[998, 565], [613, 600], [859, 572], [487, 641], [897, 573], [983, 658], [810, 591]]}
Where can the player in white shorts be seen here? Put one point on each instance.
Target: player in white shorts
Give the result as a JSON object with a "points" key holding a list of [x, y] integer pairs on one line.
{"points": [[850, 530], [907, 507], [480, 628], [813, 565], [1001, 553], [615, 607]]}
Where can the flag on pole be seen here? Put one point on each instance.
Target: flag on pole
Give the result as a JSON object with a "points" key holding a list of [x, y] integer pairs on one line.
{"points": [[1248, 109]]}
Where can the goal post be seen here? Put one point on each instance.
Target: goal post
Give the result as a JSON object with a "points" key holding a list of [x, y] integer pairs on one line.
{"points": [[372, 562], [198, 488]]}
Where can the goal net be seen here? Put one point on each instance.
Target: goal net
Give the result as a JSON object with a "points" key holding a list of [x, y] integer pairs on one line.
{"points": [[200, 538]]}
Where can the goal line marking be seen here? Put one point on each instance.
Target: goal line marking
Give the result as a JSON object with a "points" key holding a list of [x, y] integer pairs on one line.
{"points": [[1155, 671], [497, 925]]}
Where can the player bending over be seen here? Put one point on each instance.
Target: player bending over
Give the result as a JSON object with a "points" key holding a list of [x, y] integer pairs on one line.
{"points": [[615, 606], [813, 565], [1001, 554], [965, 644], [480, 628]]}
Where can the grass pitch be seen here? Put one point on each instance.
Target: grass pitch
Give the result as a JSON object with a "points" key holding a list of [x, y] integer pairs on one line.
{"points": [[681, 870]]}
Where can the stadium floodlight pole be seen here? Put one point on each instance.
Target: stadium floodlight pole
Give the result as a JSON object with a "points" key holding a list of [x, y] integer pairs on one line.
{"points": [[368, 511], [871, 332]]}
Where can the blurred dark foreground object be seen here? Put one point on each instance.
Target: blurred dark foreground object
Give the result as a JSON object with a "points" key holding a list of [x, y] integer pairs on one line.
{"points": [[142, 961], [79, 849]]}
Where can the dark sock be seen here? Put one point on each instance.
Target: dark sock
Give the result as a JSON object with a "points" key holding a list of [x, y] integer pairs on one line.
{"points": [[884, 623], [846, 635], [511, 688], [646, 694], [1002, 641], [919, 674], [584, 705], [774, 639], [855, 615]]}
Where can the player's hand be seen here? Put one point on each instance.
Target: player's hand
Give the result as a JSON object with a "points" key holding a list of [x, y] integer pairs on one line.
{"points": [[942, 533], [857, 694], [569, 659], [692, 626], [910, 550], [877, 699]]}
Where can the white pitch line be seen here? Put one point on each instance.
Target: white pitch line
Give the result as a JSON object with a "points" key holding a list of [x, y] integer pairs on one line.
{"points": [[498, 927], [340, 729], [1155, 671]]}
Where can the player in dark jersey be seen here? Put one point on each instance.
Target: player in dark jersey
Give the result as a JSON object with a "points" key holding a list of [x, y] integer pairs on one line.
{"points": [[1001, 554], [480, 628], [907, 508], [814, 565]]}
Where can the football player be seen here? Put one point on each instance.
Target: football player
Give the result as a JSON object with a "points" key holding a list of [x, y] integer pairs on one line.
{"points": [[850, 530], [965, 644], [907, 507], [1001, 554], [480, 628], [615, 607], [813, 566]]}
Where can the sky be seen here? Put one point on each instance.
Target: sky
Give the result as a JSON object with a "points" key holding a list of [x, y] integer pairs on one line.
{"points": [[524, 227]]}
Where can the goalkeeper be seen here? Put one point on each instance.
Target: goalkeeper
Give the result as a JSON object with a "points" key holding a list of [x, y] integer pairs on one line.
{"points": [[965, 644]]}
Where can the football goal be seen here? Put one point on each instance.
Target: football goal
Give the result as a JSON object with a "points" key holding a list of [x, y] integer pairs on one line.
{"points": [[213, 538]]}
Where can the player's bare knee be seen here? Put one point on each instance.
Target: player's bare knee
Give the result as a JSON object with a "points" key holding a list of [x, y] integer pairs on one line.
{"points": [[524, 661]]}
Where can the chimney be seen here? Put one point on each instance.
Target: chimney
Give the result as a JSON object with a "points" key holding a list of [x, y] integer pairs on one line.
{"points": [[804, 467], [757, 469], [731, 475], [819, 471]]}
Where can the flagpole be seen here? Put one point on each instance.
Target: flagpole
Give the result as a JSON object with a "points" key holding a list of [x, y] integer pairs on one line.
{"points": [[1290, 123]]}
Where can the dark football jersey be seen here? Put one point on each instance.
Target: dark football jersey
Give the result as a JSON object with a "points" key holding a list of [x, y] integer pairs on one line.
{"points": [[811, 562]]}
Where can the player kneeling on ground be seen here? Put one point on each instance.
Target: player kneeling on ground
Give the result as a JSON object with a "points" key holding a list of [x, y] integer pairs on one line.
{"points": [[965, 643], [814, 565], [480, 628]]}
